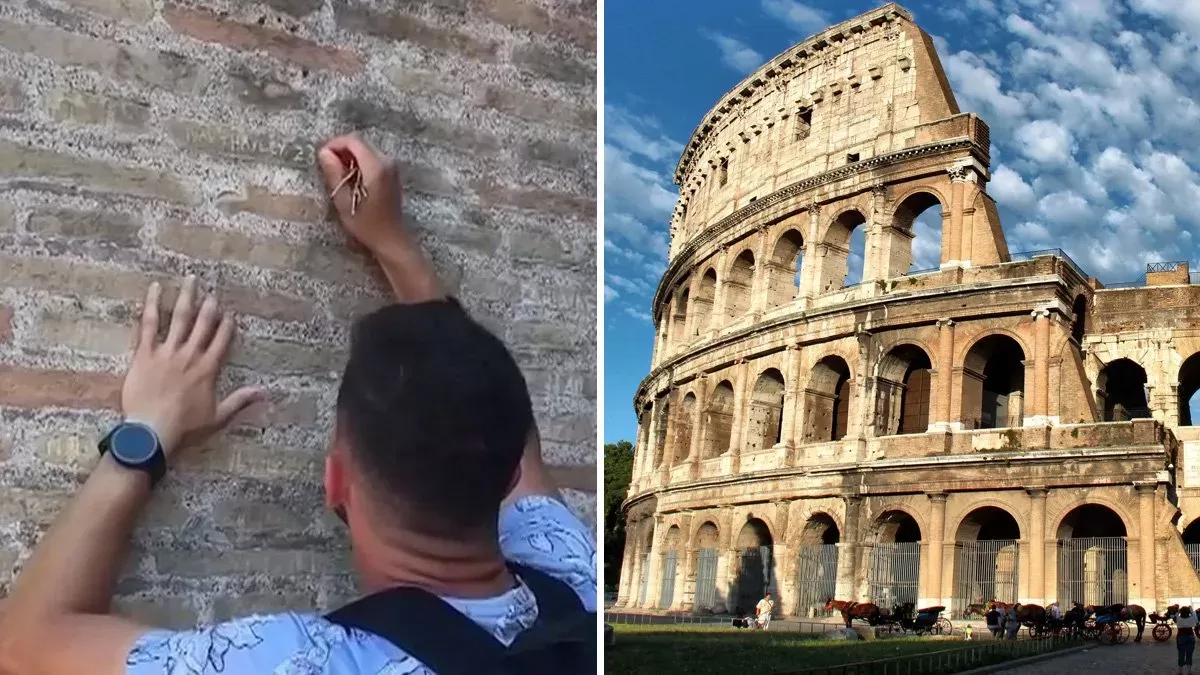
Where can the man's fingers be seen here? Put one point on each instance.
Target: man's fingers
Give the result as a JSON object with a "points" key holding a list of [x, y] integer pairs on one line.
{"points": [[221, 340], [206, 324], [184, 312], [148, 331], [366, 156], [235, 403], [334, 172]]}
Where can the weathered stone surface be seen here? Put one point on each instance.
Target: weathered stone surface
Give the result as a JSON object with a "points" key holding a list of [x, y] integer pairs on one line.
{"points": [[150, 139]]}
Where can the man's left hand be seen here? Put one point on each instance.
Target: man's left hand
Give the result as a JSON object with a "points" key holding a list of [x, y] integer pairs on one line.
{"points": [[171, 384]]}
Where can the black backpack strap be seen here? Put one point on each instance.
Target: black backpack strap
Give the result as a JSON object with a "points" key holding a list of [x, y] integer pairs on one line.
{"points": [[450, 643], [426, 628]]}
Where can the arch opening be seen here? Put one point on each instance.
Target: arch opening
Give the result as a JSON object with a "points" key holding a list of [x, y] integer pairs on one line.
{"points": [[1121, 391], [707, 557], [818, 557], [643, 572], [683, 430], [702, 302], [844, 250], [766, 411], [670, 567], [1189, 391], [661, 422], [755, 573], [827, 401], [993, 384], [739, 284], [642, 451], [902, 391], [895, 571], [986, 560], [679, 332], [915, 241], [783, 271], [718, 421], [1092, 557]]}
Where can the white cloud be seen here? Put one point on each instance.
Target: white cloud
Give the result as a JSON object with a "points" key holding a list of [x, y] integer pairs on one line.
{"points": [[1046, 142], [735, 53], [1065, 207], [1009, 189], [639, 314], [797, 15], [639, 135], [610, 294]]}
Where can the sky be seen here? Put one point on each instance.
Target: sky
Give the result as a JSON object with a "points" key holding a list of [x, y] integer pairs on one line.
{"points": [[1093, 127]]}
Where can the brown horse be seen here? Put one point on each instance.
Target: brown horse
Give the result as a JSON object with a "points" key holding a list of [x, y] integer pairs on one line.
{"points": [[1136, 614], [866, 611], [1027, 615]]}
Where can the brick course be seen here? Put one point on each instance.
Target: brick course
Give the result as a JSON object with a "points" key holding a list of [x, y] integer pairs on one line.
{"points": [[142, 140]]}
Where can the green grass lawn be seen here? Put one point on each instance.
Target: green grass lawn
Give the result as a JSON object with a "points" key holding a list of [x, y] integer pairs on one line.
{"points": [[667, 650]]}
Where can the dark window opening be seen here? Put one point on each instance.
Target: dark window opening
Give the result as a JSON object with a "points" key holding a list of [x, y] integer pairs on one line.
{"points": [[723, 173], [803, 124], [852, 157]]}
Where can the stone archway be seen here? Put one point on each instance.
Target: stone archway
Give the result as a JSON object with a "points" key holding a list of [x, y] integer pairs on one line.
{"points": [[679, 332], [718, 420], [702, 302], [739, 285], [662, 419], [986, 560], [914, 241], [1121, 391], [903, 390], [817, 558], [682, 440], [671, 566], [765, 419], [708, 555], [784, 269], [1189, 391], [827, 401], [894, 570], [993, 384], [837, 250], [754, 568], [1093, 561]]}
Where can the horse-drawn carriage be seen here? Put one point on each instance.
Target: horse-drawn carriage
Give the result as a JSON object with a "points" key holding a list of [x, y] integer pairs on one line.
{"points": [[1162, 623], [903, 617]]}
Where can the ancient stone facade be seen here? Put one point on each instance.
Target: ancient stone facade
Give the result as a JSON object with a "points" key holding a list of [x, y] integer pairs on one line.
{"points": [[999, 427]]}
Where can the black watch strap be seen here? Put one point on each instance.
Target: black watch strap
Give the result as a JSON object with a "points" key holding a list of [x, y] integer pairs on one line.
{"points": [[155, 467]]}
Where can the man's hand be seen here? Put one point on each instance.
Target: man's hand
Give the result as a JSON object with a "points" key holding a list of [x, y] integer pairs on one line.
{"points": [[171, 385], [376, 221]]}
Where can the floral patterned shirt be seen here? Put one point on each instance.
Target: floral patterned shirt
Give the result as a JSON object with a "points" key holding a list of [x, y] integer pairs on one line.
{"points": [[536, 531]]}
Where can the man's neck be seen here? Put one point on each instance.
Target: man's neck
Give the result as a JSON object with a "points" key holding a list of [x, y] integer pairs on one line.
{"points": [[468, 569]]}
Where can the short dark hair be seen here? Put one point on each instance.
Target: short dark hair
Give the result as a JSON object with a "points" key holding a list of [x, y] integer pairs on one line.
{"points": [[436, 414]]}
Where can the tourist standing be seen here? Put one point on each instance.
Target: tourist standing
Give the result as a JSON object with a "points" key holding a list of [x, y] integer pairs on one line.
{"points": [[1185, 638]]}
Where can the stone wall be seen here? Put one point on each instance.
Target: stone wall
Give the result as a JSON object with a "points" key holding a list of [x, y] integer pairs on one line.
{"points": [[143, 139]]}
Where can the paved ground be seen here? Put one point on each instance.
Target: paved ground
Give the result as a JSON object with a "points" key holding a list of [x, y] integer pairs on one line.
{"points": [[1126, 659]]}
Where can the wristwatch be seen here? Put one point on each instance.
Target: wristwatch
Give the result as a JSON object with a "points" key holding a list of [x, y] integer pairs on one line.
{"points": [[135, 446]]}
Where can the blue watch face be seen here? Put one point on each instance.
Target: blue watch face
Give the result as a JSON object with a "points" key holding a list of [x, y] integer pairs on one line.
{"points": [[133, 444]]}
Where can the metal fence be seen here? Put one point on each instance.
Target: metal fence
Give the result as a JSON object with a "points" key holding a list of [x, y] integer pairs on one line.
{"points": [[1030, 255], [895, 569], [706, 579], [954, 660], [1093, 571], [667, 595], [714, 621], [645, 580], [1193, 554], [1169, 266], [818, 578], [984, 571]]}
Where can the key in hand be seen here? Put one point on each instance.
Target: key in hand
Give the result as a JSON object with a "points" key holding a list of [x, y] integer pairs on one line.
{"points": [[358, 190]]}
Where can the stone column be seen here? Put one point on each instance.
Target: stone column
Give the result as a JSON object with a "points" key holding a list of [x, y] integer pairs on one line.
{"points": [[654, 574], [783, 558], [717, 319], [958, 178], [627, 563], [945, 378], [697, 423], [652, 444], [1037, 545], [791, 398], [740, 396], [1146, 539], [762, 268], [1039, 398], [848, 549], [809, 280], [687, 595], [937, 535]]}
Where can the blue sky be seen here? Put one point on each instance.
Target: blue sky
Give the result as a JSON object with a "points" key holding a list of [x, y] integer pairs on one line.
{"points": [[1090, 106]]}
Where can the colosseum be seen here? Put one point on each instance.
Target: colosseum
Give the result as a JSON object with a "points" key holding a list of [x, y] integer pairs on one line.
{"points": [[999, 427]]}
